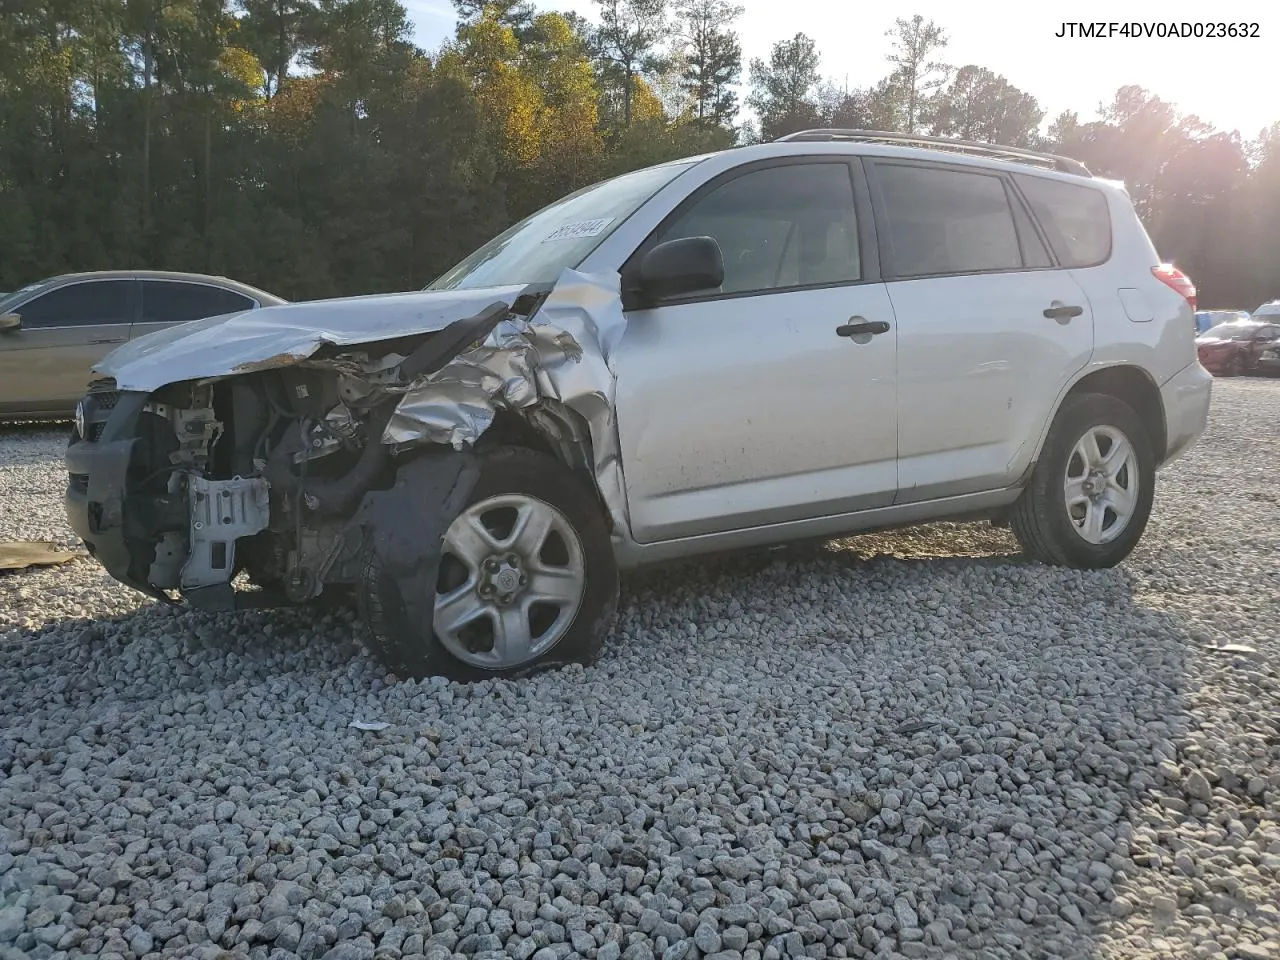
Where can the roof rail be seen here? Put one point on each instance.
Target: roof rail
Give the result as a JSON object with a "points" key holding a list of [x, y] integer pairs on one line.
{"points": [[996, 152]]}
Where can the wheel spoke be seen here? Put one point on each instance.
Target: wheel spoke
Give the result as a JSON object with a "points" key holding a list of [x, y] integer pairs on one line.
{"points": [[532, 525], [1117, 456], [1075, 491], [512, 639], [1094, 517], [1089, 449], [1120, 499], [557, 585], [455, 610], [469, 541]]}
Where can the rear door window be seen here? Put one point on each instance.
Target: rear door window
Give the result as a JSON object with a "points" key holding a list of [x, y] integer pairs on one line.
{"points": [[89, 303], [1075, 219], [172, 301], [947, 221]]}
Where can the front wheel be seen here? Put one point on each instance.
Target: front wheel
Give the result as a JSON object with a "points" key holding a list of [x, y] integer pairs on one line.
{"points": [[527, 579], [1090, 495]]}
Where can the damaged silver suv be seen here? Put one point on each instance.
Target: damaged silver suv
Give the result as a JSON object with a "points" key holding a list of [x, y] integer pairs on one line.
{"points": [[840, 331]]}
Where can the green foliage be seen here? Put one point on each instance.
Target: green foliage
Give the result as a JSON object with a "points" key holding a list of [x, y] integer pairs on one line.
{"points": [[304, 145], [918, 75], [712, 59], [308, 147], [784, 90], [625, 43], [980, 105]]}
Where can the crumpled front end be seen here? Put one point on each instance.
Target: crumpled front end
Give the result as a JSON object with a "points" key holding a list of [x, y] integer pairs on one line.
{"points": [[288, 462]]}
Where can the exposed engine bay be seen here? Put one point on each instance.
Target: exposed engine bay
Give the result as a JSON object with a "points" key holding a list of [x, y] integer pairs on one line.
{"points": [[290, 468], [269, 466]]}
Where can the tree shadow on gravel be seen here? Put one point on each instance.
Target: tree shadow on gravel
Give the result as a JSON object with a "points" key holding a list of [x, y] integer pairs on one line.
{"points": [[1040, 794], [976, 756]]}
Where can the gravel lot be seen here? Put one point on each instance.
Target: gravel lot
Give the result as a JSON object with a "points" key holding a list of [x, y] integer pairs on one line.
{"points": [[910, 745]]}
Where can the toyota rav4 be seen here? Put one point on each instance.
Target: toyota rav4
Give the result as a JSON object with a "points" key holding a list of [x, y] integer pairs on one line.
{"points": [[840, 331]]}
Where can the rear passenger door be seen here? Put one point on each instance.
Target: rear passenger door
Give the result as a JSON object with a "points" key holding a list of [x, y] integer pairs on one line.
{"points": [[989, 329], [168, 302]]}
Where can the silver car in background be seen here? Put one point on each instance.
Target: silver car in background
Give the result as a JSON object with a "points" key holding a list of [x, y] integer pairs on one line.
{"points": [[54, 331]]}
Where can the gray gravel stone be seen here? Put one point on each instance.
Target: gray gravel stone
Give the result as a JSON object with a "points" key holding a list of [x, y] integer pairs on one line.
{"points": [[909, 744], [13, 920]]}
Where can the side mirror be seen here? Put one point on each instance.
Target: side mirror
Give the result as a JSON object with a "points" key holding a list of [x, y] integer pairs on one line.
{"points": [[679, 267], [10, 321]]}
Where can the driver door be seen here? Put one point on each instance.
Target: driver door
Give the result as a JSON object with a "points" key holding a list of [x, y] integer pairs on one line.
{"points": [[748, 406]]}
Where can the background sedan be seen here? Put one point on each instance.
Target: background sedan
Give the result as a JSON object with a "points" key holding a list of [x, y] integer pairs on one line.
{"points": [[52, 332], [1247, 346]]}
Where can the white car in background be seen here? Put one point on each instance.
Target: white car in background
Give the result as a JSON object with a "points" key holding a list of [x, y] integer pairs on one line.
{"points": [[1269, 311]]}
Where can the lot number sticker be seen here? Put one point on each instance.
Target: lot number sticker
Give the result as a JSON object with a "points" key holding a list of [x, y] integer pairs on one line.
{"points": [[578, 230]]}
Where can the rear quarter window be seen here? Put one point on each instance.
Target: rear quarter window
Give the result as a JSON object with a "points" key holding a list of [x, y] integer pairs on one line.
{"points": [[1076, 219], [174, 301]]}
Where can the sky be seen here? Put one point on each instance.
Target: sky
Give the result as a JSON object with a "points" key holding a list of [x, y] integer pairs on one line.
{"points": [[1229, 83]]}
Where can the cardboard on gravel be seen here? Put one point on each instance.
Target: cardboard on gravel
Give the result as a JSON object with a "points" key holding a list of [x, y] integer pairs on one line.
{"points": [[20, 554]]}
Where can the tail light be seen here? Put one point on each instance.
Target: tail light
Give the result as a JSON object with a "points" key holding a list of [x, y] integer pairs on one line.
{"points": [[1176, 280]]}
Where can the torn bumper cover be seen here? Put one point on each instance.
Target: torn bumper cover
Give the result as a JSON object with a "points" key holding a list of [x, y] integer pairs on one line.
{"points": [[485, 358]]}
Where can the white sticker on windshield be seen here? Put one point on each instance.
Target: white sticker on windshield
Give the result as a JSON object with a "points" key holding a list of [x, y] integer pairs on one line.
{"points": [[576, 231]]}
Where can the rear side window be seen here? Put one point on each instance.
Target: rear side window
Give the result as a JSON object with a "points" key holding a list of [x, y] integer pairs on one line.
{"points": [[947, 221], [167, 301], [1076, 219], [80, 304], [779, 227]]}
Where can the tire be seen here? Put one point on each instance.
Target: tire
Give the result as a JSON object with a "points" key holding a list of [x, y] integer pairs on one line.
{"points": [[1050, 530], [1233, 367], [515, 482]]}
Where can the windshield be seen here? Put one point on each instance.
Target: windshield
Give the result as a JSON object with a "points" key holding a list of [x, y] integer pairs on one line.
{"points": [[561, 235], [1231, 331]]}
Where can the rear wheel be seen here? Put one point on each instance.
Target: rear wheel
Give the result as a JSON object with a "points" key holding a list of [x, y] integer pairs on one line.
{"points": [[527, 579], [1090, 496]]}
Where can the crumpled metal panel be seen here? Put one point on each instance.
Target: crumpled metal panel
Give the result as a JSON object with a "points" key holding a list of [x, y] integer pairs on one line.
{"points": [[457, 403], [562, 353], [281, 336]]}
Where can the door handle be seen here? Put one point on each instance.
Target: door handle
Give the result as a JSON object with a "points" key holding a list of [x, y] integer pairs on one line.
{"points": [[857, 327], [1062, 313]]}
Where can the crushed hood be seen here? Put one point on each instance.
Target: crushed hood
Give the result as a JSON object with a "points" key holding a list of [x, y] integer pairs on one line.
{"points": [[562, 354], [284, 334]]}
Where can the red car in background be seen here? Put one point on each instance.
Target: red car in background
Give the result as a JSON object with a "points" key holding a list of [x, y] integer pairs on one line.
{"points": [[1240, 347]]}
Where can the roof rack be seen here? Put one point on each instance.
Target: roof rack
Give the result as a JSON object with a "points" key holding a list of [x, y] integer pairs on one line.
{"points": [[996, 152]]}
